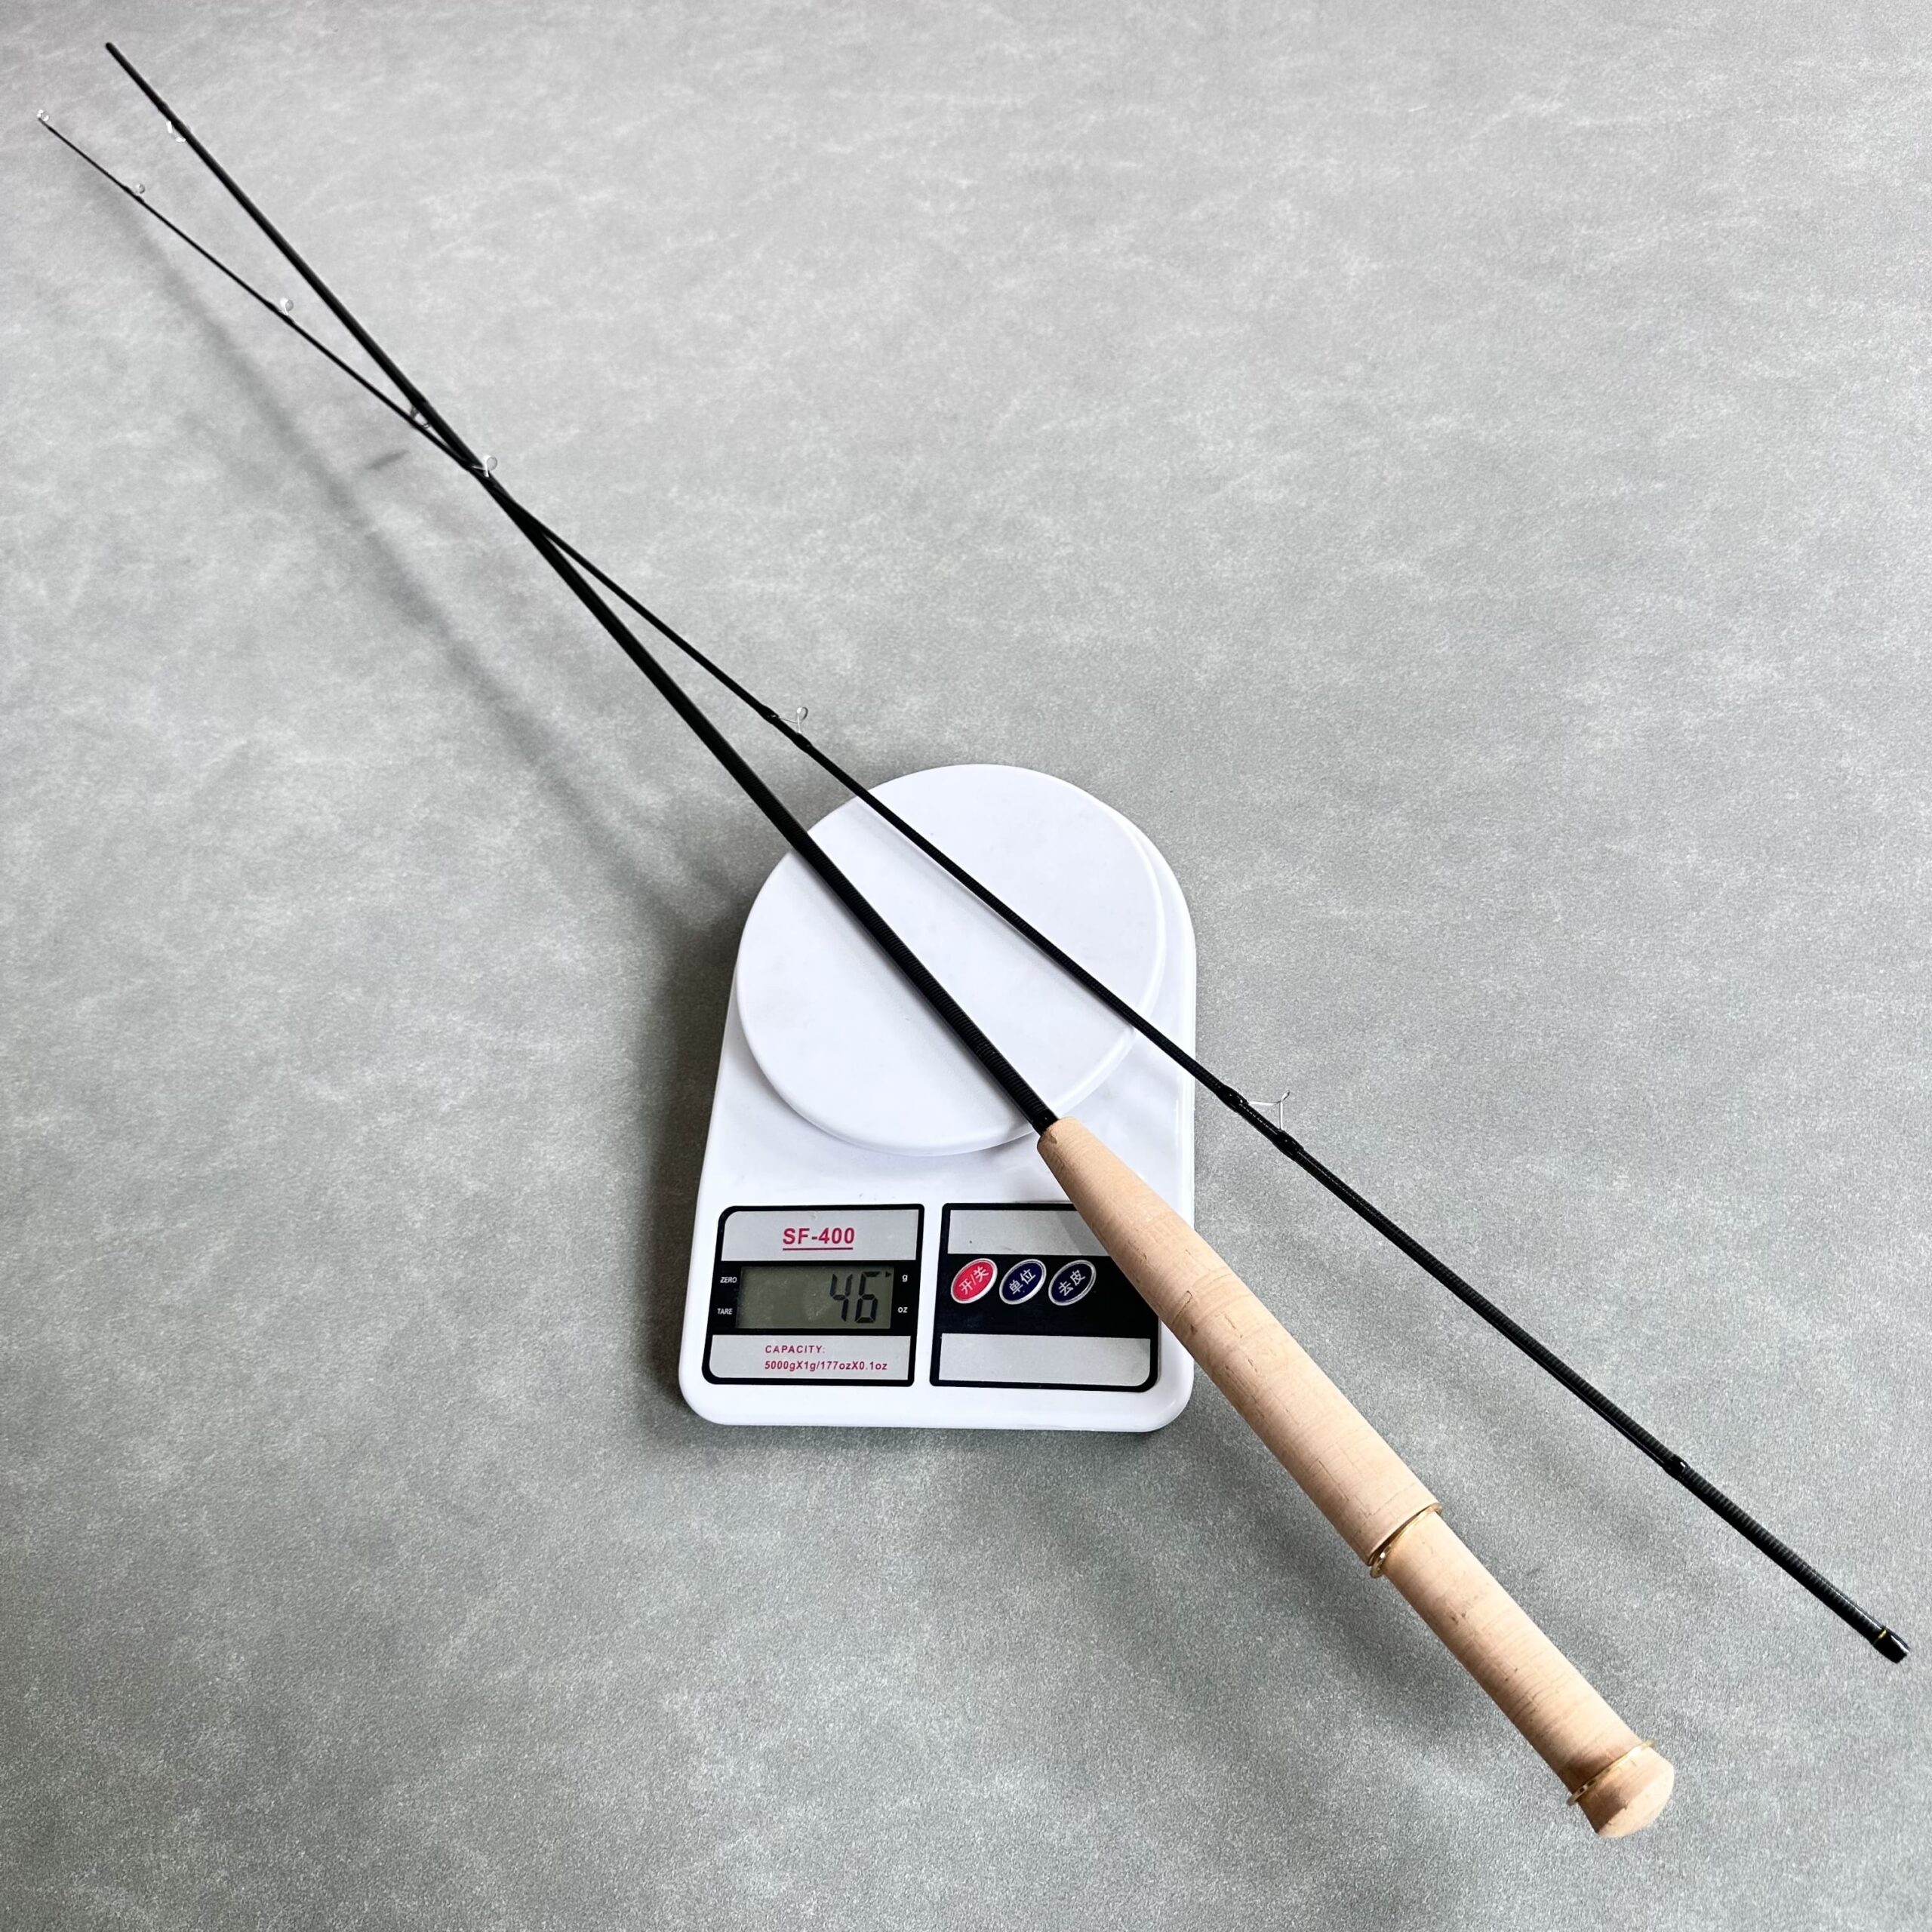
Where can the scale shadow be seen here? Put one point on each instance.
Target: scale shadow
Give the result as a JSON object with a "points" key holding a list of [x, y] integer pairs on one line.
{"points": [[680, 1041]]}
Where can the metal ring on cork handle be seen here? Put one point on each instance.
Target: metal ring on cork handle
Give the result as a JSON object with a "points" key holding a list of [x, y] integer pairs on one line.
{"points": [[1590, 1784], [1379, 1561]]}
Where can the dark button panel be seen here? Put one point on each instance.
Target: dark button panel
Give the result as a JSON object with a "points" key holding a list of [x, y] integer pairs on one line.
{"points": [[1064, 1316]]}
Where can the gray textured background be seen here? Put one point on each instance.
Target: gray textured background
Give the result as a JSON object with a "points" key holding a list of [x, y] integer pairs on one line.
{"points": [[1454, 475]]}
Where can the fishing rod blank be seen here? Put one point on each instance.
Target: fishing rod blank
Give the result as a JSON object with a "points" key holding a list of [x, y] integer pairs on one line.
{"points": [[1372, 1498], [1881, 1637], [957, 1020]]}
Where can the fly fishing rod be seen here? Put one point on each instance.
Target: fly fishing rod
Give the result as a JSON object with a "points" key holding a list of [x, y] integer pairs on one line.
{"points": [[1886, 1640], [1374, 1499]]}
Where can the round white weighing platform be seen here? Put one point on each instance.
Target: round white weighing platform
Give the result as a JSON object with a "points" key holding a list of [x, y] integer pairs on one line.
{"points": [[854, 1050]]}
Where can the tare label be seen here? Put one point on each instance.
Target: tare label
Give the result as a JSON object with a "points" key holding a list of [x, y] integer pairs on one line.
{"points": [[803, 1234], [809, 1358]]}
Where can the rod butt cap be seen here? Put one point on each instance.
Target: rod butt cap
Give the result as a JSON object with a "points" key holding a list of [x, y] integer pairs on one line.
{"points": [[1630, 1795]]}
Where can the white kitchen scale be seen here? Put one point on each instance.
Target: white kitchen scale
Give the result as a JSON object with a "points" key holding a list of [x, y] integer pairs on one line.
{"points": [[878, 1242]]}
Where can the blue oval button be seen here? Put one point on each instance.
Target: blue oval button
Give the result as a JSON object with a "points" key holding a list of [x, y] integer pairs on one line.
{"points": [[1023, 1281], [1073, 1283]]}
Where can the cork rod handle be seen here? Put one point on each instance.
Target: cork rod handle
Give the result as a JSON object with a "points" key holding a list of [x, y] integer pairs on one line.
{"points": [[1371, 1495]]}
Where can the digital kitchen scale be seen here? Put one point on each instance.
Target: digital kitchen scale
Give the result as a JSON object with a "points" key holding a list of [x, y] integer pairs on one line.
{"points": [[878, 1241]]}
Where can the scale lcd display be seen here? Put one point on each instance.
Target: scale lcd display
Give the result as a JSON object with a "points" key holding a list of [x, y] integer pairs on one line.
{"points": [[819, 1295]]}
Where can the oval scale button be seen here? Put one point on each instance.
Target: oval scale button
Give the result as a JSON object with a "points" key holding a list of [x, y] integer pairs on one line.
{"points": [[1072, 1283], [974, 1280], [1023, 1281]]}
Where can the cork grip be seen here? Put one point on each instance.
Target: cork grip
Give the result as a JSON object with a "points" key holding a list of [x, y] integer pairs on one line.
{"points": [[1371, 1495]]}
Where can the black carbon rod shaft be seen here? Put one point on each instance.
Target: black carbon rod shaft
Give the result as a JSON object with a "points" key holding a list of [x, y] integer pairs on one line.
{"points": [[950, 1013], [1881, 1636]]}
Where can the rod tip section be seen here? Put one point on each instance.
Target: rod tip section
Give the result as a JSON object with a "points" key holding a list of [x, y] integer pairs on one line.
{"points": [[1891, 1647], [1629, 1795]]}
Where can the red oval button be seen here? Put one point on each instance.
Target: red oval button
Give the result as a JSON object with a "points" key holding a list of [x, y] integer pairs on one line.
{"points": [[974, 1280]]}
